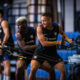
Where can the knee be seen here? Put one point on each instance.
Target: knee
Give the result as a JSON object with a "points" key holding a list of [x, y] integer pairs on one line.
{"points": [[33, 70], [20, 65], [60, 67], [6, 67], [7, 70], [62, 71], [34, 66]]}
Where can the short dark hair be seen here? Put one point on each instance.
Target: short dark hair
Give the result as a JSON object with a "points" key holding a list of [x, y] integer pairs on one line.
{"points": [[47, 15], [1, 12]]}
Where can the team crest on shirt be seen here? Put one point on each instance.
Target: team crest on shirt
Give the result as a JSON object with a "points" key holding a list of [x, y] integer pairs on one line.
{"points": [[35, 57], [55, 33], [31, 36]]}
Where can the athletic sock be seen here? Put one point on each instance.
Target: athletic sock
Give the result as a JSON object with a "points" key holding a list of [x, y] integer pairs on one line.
{"points": [[0, 76], [6, 77]]}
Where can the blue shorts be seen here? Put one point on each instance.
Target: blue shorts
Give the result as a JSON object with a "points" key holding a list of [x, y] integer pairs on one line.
{"points": [[4, 57]]}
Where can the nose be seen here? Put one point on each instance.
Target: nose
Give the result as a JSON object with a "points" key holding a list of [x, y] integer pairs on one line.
{"points": [[42, 22]]}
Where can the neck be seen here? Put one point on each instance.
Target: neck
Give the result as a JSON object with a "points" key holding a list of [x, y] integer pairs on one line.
{"points": [[50, 27]]}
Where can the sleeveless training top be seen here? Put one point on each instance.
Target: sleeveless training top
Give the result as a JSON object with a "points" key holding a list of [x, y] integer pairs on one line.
{"points": [[50, 35], [10, 41], [28, 37]]}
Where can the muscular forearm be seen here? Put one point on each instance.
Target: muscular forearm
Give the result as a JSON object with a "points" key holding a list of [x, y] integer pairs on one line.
{"points": [[5, 39], [50, 43], [29, 47], [5, 28], [66, 37]]}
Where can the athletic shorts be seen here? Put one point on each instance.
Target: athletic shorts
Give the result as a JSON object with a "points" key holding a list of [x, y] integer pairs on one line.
{"points": [[4, 56], [52, 61]]}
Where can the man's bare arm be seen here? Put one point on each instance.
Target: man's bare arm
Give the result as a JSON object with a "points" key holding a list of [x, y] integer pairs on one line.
{"points": [[42, 39], [5, 28], [23, 45], [63, 34]]}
